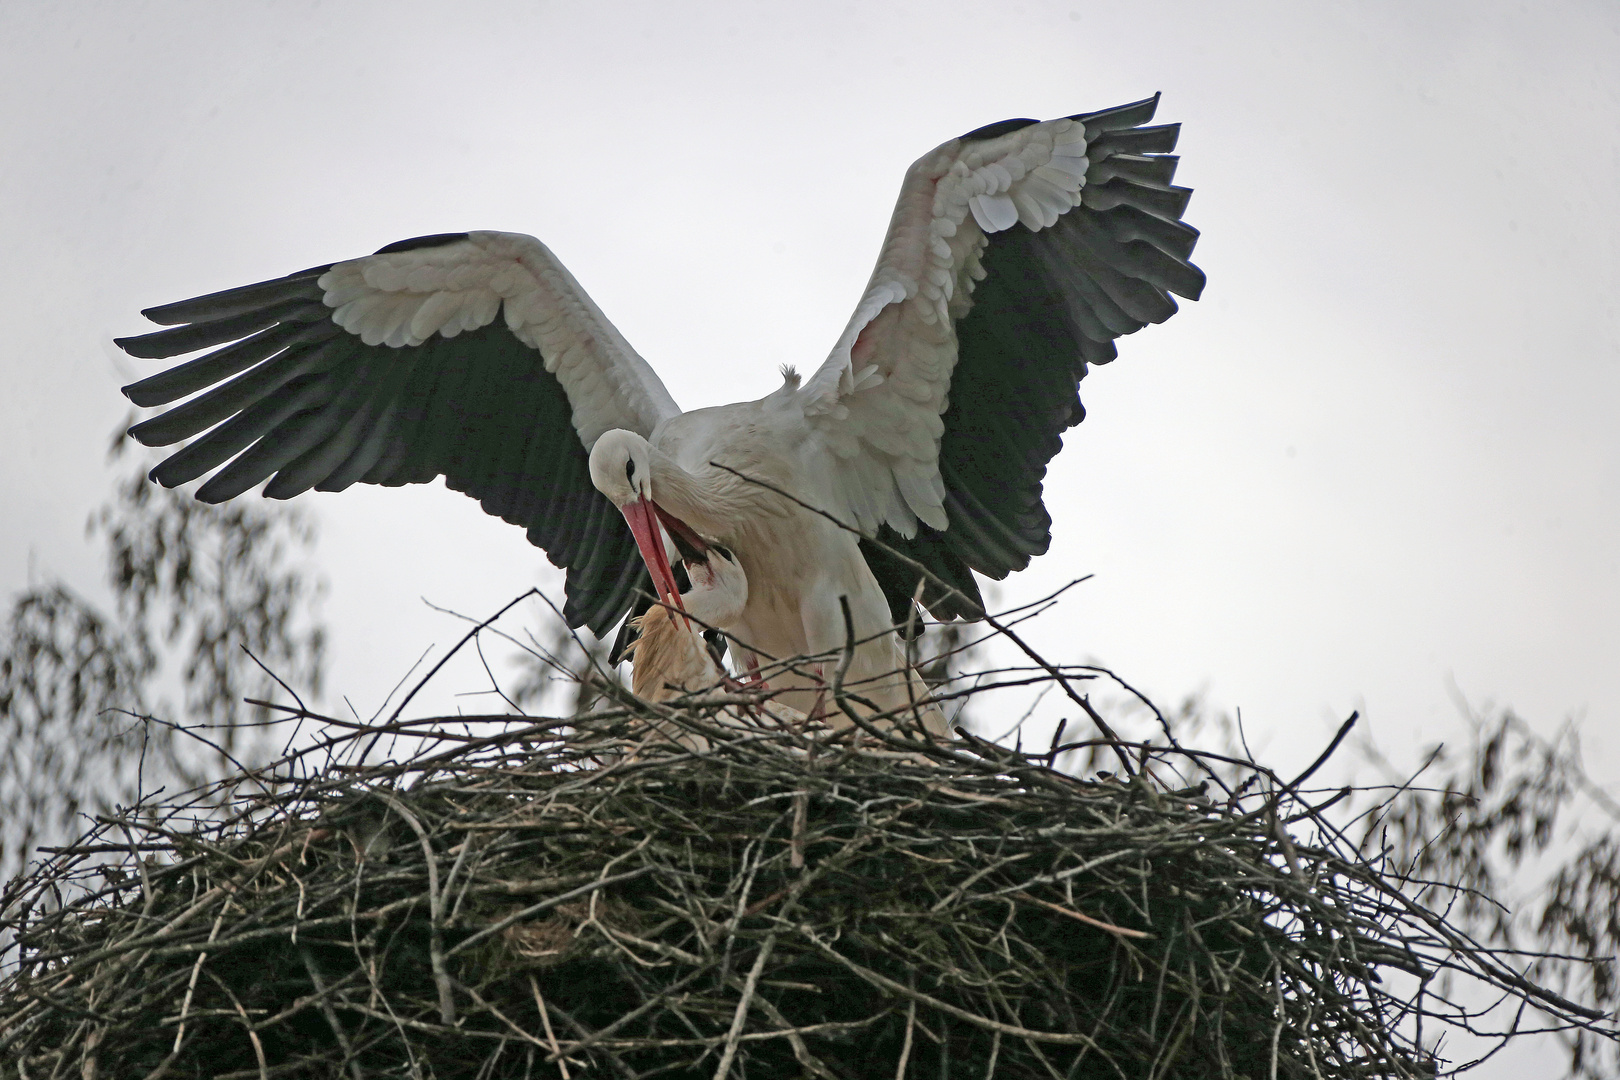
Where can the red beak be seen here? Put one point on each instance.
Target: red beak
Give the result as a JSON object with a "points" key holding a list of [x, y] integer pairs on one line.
{"points": [[643, 515], [688, 543]]}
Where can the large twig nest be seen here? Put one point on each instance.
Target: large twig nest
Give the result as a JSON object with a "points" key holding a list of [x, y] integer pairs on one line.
{"points": [[773, 907]]}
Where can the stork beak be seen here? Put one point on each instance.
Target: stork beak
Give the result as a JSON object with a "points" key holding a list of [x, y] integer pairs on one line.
{"points": [[691, 547], [643, 517]]}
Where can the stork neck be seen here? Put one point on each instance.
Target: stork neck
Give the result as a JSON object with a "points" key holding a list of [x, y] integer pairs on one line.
{"points": [[707, 503]]}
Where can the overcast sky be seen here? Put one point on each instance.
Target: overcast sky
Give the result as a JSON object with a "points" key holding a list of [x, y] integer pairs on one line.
{"points": [[1379, 459]]}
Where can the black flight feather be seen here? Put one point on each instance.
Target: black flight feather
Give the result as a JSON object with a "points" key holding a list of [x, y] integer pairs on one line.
{"points": [[1051, 302], [295, 400]]}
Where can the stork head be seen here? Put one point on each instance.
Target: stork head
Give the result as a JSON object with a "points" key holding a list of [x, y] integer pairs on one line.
{"points": [[622, 469], [621, 466], [719, 587]]}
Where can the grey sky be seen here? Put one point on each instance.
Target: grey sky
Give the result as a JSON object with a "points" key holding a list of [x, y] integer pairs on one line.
{"points": [[1381, 454]]}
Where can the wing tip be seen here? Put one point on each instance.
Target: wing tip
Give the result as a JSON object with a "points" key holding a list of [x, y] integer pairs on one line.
{"points": [[1131, 114], [140, 432], [997, 129], [149, 393], [235, 301], [1192, 287], [415, 243], [142, 346]]}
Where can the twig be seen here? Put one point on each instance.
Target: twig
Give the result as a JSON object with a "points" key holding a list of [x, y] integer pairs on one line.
{"points": [[905, 1047], [545, 1020], [1119, 931], [737, 1018], [441, 975]]}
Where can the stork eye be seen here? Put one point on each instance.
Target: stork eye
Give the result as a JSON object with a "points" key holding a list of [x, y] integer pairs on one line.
{"points": [[724, 553], [630, 471]]}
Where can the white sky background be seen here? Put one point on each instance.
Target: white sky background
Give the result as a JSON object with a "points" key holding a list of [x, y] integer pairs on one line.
{"points": [[1380, 456]]}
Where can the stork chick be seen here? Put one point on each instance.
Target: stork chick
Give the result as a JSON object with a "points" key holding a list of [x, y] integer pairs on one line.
{"points": [[671, 656]]}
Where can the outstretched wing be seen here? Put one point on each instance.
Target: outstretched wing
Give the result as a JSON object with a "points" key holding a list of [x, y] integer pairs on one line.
{"points": [[472, 356], [1016, 255]]}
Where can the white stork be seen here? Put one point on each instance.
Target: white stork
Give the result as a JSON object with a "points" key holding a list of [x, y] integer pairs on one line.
{"points": [[1017, 253]]}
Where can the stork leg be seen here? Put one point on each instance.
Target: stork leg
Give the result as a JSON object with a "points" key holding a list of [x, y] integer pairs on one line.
{"points": [[818, 707], [827, 635]]}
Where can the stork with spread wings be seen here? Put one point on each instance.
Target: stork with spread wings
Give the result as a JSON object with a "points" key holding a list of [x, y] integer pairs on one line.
{"points": [[1017, 253]]}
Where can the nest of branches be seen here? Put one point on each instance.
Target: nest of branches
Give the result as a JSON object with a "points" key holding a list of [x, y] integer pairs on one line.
{"points": [[520, 898]]}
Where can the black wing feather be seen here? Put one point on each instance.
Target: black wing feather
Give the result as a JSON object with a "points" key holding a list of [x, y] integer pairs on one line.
{"points": [[232, 302], [205, 335], [374, 443], [294, 437], [234, 435], [322, 459], [308, 405], [1051, 303], [998, 129], [1157, 170], [1175, 238], [1133, 115], [1142, 140], [228, 399]]}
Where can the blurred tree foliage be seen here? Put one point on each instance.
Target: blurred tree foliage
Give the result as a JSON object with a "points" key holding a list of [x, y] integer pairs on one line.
{"points": [[1508, 832], [87, 720]]}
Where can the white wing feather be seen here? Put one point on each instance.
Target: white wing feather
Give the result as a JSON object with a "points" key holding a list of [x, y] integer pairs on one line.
{"points": [[403, 298], [877, 400]]}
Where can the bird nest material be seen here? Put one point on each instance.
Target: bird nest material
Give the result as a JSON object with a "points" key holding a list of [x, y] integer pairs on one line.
{"points": [[585, 898]]}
